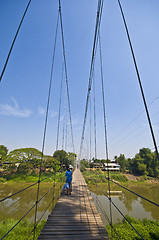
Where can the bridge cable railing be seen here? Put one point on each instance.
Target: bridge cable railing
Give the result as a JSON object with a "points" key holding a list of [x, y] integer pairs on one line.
{"points": [[15, 37], [109, 198], [29, 212], [157, 205], [3, 199], [139, 79], [106, 216]]}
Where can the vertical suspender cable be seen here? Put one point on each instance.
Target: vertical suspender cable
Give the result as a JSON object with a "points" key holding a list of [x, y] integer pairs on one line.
{"points": [[139, 80], [105, 127], [6, 62], [46, 118], [90, 142], [95, 132], [64, 122], [98, 18], [68, 97], [59, 114]]}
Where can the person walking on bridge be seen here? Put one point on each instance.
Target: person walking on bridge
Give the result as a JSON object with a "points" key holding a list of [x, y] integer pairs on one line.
{"points": [[69, 180]]}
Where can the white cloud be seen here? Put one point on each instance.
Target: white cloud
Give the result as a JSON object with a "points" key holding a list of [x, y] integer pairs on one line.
{"points": [[41, 110], [53, 114], [75, 122], [13, 109]]}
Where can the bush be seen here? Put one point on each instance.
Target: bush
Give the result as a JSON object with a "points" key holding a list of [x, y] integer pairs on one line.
{"points": [[21, 231], [148, 229], [2, 180], [119, 177]]}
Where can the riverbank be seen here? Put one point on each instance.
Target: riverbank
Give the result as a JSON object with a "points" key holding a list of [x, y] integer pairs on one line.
{"points": [[98, 176], [148, 229], [23, 178], [23, 231]]}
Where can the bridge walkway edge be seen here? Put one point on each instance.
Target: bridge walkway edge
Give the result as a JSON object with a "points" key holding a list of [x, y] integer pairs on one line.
{"points": [[74, 216]]}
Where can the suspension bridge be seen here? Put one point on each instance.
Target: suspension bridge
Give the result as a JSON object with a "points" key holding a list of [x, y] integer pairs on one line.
{"points": [[75, 216]]}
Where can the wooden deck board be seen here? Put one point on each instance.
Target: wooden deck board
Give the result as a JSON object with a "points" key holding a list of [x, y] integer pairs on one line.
{"points": [[75, 216]]}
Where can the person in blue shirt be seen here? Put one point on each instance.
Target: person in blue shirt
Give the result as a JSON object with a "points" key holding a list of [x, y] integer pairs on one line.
{"points": [[69, 180]]}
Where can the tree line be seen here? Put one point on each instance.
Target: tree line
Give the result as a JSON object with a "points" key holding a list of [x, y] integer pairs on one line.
{"points": [[144, 163], [28, 160]]}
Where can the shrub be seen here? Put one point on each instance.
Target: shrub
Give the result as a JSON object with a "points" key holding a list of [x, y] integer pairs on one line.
{"points": [[2, 180], [148, 229]]}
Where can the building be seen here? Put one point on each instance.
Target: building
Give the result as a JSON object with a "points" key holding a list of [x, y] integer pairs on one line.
{"points": [[111, 166]]}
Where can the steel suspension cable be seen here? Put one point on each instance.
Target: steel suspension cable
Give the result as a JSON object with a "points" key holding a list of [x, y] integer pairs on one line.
{"points": [[95, 129], [119, 211], [26, 214], [98, 20], [139, 80], [90, 141], [59, 114], [6, 62], [46, 117], [1, 200], [157, 205], [105, 126], [67, 87], [64, 122]]}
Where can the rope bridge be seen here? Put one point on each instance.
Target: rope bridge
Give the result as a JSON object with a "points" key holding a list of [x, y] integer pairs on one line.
{"points": [[96, 42]]}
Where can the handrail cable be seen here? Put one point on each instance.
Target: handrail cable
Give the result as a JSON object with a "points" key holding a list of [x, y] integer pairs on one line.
{"points": [[40, 218], [59, 114], [46, 116], [106, 216], [119, 211], [98, 20], [119, 133], [6, 62], [129, 190], [139, 80], [26, 213], [1, 200], [135, 193], [67, 87]]}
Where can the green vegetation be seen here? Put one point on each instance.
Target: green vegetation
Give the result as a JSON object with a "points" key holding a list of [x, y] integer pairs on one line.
{"points": [[23, 165], [83, 165], [145, 163], [32, 177], [22, 231], [98, 176], [147, 228], [3, 151]]}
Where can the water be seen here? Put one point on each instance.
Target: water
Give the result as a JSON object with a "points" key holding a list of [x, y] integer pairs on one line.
{"points": [[16, 206], [128, 203]]}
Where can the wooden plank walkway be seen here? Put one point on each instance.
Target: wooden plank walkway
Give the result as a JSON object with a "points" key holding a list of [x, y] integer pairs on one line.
{"points": [[74, 216]]}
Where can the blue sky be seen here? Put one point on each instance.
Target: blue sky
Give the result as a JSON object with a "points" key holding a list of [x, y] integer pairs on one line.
{"points": [[24, 87]]}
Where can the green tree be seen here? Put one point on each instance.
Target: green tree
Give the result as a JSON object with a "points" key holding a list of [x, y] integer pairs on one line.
{"points": [[71, 158], [84, 164], [122, 162], [142, 169], [61, 156], [24, 154], [52, 163], [3, 152]]}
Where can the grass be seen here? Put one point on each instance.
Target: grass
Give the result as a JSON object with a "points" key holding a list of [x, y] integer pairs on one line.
{"points": [[148, 229], [23, 231], [32, 177], [99, 177]]}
